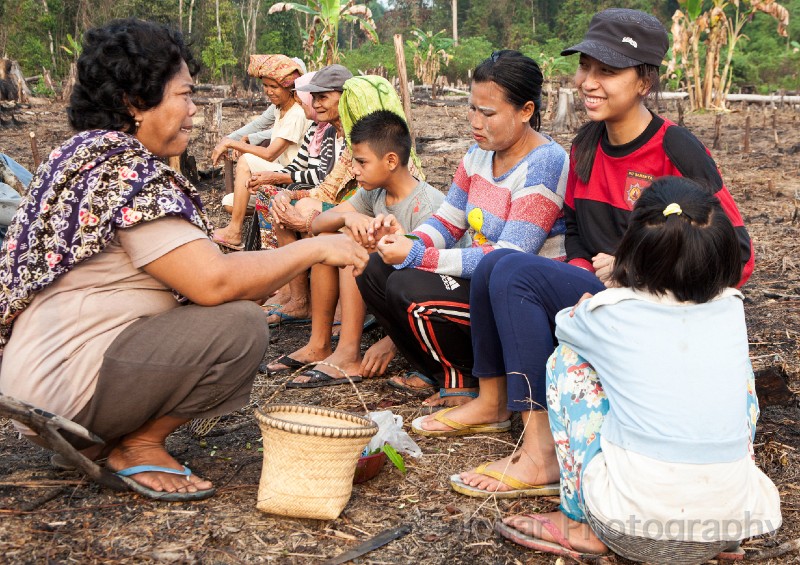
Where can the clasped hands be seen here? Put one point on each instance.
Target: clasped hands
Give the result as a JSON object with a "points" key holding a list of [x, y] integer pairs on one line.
{"points": [[284, 214], [383, 234]]}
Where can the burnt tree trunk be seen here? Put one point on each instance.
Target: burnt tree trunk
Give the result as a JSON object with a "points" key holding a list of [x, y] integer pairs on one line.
{"points": [[72, 78], [566, 119]]}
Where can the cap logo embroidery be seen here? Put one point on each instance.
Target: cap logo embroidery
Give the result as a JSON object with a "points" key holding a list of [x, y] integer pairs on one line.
{"points": [[630, 41]]}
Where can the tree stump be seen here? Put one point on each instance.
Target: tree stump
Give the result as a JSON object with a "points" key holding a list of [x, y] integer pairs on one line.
{"points": [[566, 119], [72, 78], [550, 96], [771, 387], [775, 129], [717, 131], [12, 82]]}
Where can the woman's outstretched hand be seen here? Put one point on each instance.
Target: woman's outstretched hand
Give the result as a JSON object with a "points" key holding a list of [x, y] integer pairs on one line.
{"points": [[394, 248], [341, 251], [220, 150]]}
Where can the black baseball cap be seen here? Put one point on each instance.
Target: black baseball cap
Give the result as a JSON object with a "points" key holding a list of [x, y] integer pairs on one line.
{"points": [[623, 38], [328, 79]]}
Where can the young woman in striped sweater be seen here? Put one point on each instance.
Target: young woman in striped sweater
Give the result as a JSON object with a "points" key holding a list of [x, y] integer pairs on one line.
{"points": [[509, 188]]}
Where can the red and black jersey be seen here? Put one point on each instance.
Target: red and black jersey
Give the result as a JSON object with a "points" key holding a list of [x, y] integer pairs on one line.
{"points": [[597, 212]]}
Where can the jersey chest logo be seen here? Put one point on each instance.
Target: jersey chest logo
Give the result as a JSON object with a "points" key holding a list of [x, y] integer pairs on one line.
{"points": [[635, 183]]}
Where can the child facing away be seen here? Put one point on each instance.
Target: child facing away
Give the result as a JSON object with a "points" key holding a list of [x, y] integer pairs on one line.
{"points": [[651, 399], [381, 146]]}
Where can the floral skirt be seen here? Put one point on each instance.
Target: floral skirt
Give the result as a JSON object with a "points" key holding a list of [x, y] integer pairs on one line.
{"points": [[576, 406], [264, 201]]}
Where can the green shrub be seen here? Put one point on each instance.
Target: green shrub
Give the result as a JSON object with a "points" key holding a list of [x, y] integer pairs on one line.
{"points": [[370, 56], [216, 55], [41, 90], [31, 54], [466, 56]]}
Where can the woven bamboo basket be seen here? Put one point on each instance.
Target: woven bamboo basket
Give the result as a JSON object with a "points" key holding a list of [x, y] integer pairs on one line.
{"points": [[310, 456]]}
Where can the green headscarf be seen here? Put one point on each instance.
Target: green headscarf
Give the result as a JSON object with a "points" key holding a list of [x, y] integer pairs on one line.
{"points": [[363, 95]]}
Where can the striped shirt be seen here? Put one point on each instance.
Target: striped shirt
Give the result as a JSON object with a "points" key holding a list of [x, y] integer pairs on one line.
{"points": [[521, 209], [312, 169]]}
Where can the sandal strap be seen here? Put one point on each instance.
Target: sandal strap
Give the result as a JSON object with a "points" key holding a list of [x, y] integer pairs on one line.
{"points": [[515, 484], [444, 393], [440, 417], [185, 472], [552, 529], [424, 378]]}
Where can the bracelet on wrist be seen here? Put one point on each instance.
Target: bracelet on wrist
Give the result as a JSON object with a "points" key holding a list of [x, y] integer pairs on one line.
{"points": [[310, 220]]}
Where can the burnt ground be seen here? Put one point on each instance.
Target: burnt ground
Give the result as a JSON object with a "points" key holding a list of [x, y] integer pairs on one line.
{"points": [[49, 515]]}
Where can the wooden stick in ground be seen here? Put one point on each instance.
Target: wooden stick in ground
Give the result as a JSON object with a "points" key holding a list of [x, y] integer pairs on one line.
{"points": [[760, 555], [775, 127], [746, 147], [228, 172], [35, 151], [717, 130], [400, 56]]}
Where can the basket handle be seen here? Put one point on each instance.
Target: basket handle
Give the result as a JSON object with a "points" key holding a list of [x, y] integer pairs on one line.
{"points": [[291, 377]]}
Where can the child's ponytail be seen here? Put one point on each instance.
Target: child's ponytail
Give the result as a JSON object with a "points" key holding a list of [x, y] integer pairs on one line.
{"points": [[678, 240]]}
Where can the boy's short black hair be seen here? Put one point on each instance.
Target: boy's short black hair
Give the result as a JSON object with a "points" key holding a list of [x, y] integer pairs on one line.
{"points": [[384, 132], [692, 251]]}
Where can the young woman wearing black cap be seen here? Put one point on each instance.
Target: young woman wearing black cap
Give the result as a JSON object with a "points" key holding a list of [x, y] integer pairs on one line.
{"points": [[515, 296]]}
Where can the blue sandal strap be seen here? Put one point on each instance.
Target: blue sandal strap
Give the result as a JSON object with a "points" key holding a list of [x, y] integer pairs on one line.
{"points": [[155, 469], [424, 378], [444, 393]]}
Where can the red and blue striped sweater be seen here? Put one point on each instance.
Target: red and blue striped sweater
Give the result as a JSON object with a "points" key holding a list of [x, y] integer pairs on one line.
{"points": [[522, 209]]}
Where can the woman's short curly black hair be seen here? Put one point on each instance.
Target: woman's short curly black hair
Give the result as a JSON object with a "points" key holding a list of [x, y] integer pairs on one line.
{"points": [[124, 61]]}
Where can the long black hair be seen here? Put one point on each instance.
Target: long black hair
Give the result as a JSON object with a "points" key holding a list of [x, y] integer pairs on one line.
{"points": [[519, 76], [589, 135], [124, 62], [679, 240]]}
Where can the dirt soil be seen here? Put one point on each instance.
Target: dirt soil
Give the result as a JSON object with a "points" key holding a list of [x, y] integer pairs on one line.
{"points": [[51, 515]]}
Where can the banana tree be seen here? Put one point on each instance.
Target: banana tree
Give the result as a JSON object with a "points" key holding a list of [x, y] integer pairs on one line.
{"points": [[687, 26], [321, 44], [73, 48], [734, 31], [430, 53], [722, 24]]}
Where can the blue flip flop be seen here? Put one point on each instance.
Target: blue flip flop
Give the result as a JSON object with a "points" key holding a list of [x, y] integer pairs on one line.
{"points": [[317, 378], [400, 382], [286, 318], [369, 323], [139, 488]]}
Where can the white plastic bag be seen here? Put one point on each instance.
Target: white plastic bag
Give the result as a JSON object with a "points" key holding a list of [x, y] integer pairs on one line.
{"points": [[390, 430]]}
